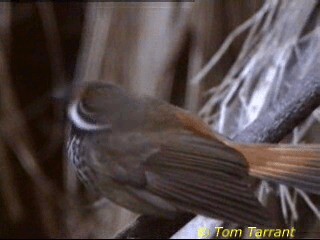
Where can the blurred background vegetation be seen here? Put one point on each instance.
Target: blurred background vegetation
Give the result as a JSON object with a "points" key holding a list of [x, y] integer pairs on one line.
{"points": [[154, 48]]}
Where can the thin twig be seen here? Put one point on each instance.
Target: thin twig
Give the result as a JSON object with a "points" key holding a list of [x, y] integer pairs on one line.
{"points": [[226, 44]]}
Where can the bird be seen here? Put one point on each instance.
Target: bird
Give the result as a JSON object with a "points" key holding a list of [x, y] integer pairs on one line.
{"points": [[157, 159]]}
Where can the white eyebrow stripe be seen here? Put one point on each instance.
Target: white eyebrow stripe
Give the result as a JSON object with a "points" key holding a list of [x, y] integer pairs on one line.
{"points": [[81, 123]]}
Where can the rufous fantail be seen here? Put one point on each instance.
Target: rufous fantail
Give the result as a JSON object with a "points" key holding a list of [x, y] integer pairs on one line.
{"points": [[157, 159]]}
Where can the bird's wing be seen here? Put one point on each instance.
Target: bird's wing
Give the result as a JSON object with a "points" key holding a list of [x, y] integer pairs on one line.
{"points": [[204, 176], [196, 174], [120, 157]]}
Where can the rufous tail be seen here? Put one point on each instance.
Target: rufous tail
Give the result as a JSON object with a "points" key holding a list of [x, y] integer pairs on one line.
{"points": [[294, 165]]}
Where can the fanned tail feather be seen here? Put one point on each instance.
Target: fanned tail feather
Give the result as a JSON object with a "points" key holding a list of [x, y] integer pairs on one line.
{"points": [[294, 165]]}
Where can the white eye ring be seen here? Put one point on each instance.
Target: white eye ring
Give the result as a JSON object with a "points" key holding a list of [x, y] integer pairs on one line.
{"points": [[82, 124]]}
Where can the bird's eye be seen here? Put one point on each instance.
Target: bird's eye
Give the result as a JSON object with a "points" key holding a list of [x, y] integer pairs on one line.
{"points": [[83, 120], [84, 108], [85, 111]]}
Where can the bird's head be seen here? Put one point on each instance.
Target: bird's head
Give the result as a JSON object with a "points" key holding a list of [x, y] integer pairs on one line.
{"points": [[95, 104]]}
